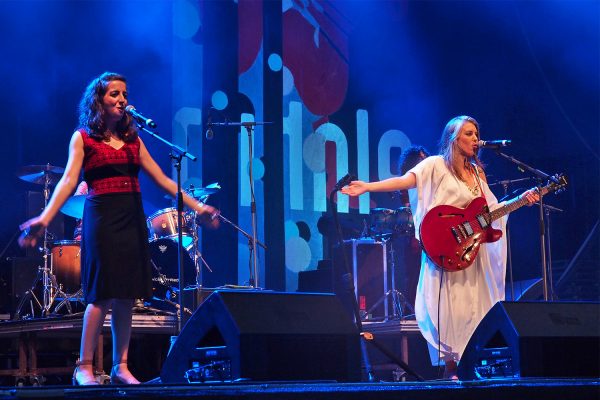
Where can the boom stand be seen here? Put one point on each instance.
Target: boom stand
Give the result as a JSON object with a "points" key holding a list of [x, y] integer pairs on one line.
{"points": [[504, 185], [367, 337], [254, 277], [541, 177], [177, 154], [251, 239]]}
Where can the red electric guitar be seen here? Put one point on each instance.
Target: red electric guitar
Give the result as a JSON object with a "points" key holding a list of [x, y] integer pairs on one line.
{"points": [[451, 236]]}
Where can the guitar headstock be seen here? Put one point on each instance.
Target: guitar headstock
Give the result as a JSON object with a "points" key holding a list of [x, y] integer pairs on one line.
{"points": [[557, 183]]}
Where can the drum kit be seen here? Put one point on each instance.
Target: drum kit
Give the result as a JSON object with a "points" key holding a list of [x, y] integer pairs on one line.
{"points": [[58, 257], [385, 225], [59, 276]]}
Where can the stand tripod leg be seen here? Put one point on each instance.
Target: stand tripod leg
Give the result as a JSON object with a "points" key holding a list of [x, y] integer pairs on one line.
{"points": [[377, 303], [30, 296], [67, 299]]}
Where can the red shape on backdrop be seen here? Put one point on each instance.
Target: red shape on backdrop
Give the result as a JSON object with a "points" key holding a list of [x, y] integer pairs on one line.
{"points": [[250, 24], [320, 73]]}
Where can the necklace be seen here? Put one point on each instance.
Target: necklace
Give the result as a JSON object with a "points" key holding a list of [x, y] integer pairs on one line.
{"points": [[473, 189]]}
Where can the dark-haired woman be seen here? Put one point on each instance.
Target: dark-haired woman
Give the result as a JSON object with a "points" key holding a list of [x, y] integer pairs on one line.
{"points": [[114, 244]]}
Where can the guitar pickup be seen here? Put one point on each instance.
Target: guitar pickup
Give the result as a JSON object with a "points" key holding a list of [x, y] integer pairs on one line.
{"points": [[456, 235], [468, 228], [482, 222]]}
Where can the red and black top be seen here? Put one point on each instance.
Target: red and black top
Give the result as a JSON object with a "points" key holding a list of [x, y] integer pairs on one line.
{"points": [[110, 170]]}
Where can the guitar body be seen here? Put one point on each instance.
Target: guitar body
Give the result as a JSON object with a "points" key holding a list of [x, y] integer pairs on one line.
{"points": [[451, 236]]}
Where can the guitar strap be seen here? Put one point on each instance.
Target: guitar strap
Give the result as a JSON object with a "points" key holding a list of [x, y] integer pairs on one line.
{"points": [[478, 180]]}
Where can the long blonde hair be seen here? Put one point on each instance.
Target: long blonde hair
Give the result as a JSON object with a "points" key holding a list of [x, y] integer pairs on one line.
{"points": [[448, 146]]}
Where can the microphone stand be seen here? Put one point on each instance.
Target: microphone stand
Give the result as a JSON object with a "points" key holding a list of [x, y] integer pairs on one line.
{"points": [[350, 291], [243, 232], [541, 177], [504, 185], [177, 154], [254, 277]]}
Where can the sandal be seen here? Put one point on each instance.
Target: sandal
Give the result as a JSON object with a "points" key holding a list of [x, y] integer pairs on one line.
{"points": [[84, 380]]}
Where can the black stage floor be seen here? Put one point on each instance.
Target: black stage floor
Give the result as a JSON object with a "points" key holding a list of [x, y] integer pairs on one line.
{"points": [[526, 389]]}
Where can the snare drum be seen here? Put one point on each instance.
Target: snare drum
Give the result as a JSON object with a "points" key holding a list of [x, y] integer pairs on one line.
{"points": [[66, 264], [163, 225]]}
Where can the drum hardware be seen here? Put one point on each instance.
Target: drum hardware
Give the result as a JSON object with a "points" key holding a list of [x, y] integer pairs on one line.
{"points": [[163, 229], [399, 301], [46, 175], [385, 225]]}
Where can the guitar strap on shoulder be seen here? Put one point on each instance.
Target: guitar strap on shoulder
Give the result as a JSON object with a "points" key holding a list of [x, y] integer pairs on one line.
{"points": [[482, 194]]}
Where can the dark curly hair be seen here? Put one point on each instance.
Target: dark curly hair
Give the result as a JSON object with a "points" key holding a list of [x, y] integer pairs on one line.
{"points": [[91, 112], [411, 157]]}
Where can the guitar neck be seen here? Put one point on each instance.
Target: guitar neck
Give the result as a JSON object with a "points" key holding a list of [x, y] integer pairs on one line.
{"points": [[512, 205]]}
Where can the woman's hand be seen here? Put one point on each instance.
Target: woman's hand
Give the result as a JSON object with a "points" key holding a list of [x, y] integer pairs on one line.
{"points": [[32, 229], [208, 216], [355, 188], [531, 195]]}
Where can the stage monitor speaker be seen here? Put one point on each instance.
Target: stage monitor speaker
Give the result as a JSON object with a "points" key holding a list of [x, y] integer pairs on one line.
{"points": [[534, 339], [265, 336]]}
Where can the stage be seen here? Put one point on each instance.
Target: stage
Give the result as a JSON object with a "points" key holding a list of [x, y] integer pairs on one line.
{"points": [[38, 357]]}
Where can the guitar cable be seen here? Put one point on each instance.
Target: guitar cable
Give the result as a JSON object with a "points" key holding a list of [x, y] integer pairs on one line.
{"points": [[438, 321]]}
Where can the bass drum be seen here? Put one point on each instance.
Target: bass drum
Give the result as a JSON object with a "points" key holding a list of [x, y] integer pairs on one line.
{"points": [[165, 276], [163, 225]]}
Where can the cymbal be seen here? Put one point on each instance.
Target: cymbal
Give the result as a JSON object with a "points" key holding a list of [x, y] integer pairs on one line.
{"points": [[201, 192], [73, 207], [197, 192], [38, 173]]}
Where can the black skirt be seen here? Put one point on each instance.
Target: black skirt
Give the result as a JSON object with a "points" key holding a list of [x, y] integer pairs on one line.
{"points": [[115, 257]]}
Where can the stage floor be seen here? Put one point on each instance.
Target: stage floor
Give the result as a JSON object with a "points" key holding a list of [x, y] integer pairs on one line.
{"points": [[525, 389], [37, 358]]}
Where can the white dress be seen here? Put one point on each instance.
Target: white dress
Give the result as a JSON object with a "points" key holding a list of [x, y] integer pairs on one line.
{"points": [[464, 296]]}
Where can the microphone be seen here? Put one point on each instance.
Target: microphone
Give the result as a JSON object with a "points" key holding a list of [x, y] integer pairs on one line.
{"points": [[493, 144], [346, 179], [209, 133], [139, 117]]}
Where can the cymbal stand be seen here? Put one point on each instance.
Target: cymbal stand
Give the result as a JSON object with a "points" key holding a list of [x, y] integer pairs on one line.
{"points": [[50, 288]]}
